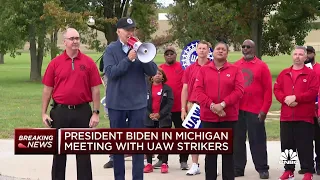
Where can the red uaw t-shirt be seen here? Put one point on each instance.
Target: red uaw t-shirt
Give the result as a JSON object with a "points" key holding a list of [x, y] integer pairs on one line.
{"points": [[294, 74], [156, 97], [174, 75], [257, 95], [72, 83]]}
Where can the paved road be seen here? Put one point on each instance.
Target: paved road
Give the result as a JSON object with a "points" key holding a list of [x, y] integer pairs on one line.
{"points": [[39, 167]]}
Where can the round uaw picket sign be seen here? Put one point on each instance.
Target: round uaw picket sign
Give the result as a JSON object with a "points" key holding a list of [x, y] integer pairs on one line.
{"points": [[189, 55]]}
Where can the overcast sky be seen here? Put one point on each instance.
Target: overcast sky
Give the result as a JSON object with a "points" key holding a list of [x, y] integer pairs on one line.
{"points": [[165, 2]]}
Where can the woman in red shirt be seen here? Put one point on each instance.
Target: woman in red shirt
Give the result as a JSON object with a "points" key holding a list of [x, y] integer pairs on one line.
{"points": [[160, 102]]}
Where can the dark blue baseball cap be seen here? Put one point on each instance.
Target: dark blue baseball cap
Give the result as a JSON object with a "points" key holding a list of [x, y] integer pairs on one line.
{"points": [[125, 23]]}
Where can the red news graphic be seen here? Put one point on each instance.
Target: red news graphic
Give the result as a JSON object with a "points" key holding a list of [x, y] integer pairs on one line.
{"points": [[144, 141], [35, 141]]}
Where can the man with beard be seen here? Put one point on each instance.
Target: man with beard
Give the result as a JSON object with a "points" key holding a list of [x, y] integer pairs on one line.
{"points": [[296, 88], [219, 86], [316, 67], [174, 73], [254, 107]]}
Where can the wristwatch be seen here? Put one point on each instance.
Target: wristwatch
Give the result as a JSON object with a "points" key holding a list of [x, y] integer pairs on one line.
{"points": [[96, 111]]}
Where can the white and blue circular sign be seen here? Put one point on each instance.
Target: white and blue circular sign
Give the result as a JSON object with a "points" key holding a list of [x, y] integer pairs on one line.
{"points": [[189, 55]]}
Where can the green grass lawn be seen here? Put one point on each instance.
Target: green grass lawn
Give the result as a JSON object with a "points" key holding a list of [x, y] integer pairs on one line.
{"points": [[21, 99]]}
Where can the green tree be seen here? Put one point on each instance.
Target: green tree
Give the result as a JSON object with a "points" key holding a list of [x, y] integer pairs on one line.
{"points": [[274, 25], [30, 22], [197, 20], [25, 21], [10, 35], [107, 12], [58, 16]]}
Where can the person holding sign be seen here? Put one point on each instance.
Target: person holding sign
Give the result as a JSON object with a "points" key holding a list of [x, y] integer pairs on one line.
{"points": [[296, 88], [188, 97], [219, 87], [254, 107], [160, 102]]}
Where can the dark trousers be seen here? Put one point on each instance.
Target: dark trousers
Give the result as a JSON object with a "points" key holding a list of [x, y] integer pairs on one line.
{"points": [[211, 159], [249, 122], [135, 120], [298, 136], [177, 121], [317, 143], [110, 156], [162, 157], [71, 118]]}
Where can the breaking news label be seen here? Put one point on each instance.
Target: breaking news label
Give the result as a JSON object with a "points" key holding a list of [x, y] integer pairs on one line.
{"points": [[123, 141], [35, 141]]}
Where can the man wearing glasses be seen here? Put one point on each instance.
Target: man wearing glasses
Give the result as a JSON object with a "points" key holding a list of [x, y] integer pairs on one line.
{"points": [[72, 81], [254, 107]]}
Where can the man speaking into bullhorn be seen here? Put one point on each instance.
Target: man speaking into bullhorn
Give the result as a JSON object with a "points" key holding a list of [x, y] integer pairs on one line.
{"points": [[126, 94]]}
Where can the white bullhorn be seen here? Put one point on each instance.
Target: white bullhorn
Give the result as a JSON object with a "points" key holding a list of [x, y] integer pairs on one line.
{"points": [[146, 52]]}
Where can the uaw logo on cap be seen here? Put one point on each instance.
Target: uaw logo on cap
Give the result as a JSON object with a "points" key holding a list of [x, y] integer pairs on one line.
{"points": [[189, 54], [129, 21]]}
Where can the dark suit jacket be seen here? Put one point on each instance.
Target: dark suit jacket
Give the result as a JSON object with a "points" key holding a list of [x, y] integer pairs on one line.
{"points": [[165, 107]]}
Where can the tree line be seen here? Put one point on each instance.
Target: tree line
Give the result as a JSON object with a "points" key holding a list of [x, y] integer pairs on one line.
{"points": [[275, 25]]}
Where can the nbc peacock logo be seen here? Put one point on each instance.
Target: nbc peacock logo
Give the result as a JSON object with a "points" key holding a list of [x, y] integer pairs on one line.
{"points": [[288, 157]]}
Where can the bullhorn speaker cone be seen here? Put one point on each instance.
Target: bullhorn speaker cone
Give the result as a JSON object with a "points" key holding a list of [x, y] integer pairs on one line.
{"points": [[146, 52]]}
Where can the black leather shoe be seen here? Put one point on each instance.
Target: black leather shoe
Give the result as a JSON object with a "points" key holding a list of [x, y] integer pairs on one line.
{"points": [[108, 165], [264, 175], [238, 174], [302, 171]]}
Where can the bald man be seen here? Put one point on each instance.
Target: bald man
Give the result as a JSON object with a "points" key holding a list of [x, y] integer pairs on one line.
{"points": [[253, 110], [75, 79]]}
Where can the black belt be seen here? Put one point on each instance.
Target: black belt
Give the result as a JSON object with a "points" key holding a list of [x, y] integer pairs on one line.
{"points": [[70, 106]]}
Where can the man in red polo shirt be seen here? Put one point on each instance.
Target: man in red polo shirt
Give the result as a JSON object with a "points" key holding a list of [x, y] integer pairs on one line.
{"points": [[254, 107], [188, 96], [174, 73], [72, 81], [296, 88]]}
